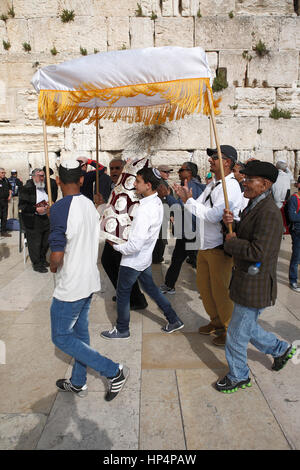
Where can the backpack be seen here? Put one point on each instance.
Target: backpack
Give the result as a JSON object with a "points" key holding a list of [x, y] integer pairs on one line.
{"points": [[288, 224]]}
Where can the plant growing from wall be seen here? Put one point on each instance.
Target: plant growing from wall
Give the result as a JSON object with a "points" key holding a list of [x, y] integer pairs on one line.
{"points": [[261, 49], [230, 14], [11, 12], [199, 13], [26, 46], [6, 45], [220, 81], [139, 10], [54, 51], [83, 51], [67, 16], [277, 113], [4, 18], [153, 16]]}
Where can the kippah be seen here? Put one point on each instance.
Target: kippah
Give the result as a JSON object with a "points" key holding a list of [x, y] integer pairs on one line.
{"points": [[70, 171]]}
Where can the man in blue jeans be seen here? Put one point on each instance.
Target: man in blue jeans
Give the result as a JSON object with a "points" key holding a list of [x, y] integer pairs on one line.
{"points": [[254, 245], [137, 257], [74, 240], [294, 214]]}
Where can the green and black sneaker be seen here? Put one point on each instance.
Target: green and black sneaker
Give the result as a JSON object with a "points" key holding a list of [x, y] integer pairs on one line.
{"points": [[225, 385], [280, 362]]}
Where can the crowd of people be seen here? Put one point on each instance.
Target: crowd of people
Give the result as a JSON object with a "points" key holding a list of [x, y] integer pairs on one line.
{"points": [[234, 250]]}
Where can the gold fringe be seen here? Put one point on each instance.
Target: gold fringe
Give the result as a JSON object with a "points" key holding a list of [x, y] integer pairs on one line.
{"points": [[184, 97]]}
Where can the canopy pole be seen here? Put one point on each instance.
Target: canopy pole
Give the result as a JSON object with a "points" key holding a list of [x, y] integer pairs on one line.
{"points": [[47, 165], [213, 121], [97, 152], [210, 133]]}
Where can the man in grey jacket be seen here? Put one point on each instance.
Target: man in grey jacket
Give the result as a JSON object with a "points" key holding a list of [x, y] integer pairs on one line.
{"points": [[254, 245]]}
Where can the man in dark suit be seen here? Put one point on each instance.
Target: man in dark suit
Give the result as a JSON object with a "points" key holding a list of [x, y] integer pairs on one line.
{"points": [[254, 245], [33, 203]]}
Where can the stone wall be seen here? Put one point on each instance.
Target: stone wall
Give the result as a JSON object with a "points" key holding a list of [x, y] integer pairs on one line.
{"points": [[228, 30]]}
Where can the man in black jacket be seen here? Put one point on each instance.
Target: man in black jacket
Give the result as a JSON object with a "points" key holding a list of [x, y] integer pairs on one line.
{"points": [[5, 196], [33, 203]]}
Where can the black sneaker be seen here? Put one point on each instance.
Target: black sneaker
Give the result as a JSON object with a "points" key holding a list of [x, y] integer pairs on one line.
{"points": [[115, 384], [170, 327], [225, 385], [280, 362], [65, 385]]}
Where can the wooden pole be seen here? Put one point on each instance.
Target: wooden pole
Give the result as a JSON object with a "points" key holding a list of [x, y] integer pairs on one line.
{"points": [[213, 121], [211, 134], [97, 152], [47, 165]]}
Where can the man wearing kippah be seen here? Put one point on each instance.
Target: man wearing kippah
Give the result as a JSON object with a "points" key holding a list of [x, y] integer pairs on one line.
{"points": [[74, 241], [254, 245]]}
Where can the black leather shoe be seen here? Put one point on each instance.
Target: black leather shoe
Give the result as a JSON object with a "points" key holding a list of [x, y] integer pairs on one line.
{"points": [[40, 269], [45, 264]]}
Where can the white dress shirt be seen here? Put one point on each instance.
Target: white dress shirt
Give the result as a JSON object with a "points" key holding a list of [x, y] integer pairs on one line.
{"points": [[280, 188], [209, 209], [144, 231]]}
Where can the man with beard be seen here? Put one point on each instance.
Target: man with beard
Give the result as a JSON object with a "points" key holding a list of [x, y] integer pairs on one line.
{"points": [[33, 203]]}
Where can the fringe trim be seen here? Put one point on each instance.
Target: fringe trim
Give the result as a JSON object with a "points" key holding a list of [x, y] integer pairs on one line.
{"points": [[184, 97]]}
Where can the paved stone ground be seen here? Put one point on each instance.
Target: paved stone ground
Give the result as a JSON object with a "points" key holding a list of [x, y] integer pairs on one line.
{"points": [[169, 401]]}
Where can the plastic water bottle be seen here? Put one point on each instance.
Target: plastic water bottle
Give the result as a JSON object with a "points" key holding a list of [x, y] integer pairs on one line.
{"points": [[254, 269]]}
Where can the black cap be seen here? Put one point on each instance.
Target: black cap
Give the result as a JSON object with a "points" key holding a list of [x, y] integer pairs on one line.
{"points": [[227, 150], [50, 170], [70, 171], [258, 168]]}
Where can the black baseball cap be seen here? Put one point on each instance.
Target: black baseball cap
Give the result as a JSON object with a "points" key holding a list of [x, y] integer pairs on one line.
{"points": [[258, 168], [227, 150]]}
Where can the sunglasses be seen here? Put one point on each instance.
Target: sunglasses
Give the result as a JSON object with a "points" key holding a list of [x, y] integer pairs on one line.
{"points": [[183, 169], [115, 168], [215, 157]]}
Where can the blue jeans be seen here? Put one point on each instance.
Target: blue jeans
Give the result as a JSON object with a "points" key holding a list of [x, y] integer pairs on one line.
{"points": [[243, 328], [295, 258], [127, 277], [69, 326]]}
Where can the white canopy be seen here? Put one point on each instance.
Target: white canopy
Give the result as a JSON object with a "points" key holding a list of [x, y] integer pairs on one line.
{"points": [[149, 85]]}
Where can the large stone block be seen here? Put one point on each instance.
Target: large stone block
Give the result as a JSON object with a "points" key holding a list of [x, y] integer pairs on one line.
{"points": [[254, 101], [281, 134], [278, 69], [236, 66], [39, 8], [289, 37], [17, 161], [80, 138], [222, 32], [85, 32], [118, 33], [30, 138], [16, 72], [141, 32], [240, 132], [216, 7], [35, 8], [18, 34], [267, 30], [265, 7], [27, 106], [174, 32], [149, 7], [289, 100], [7, 103]]}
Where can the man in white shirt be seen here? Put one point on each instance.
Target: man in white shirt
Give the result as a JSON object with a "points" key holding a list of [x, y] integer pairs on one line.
{"points": [[213, 265], [137, 257], [282, 187], [74, 241]]}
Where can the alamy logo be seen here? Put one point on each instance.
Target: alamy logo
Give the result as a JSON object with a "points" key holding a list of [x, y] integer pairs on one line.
{"points": [[2, 352]]}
